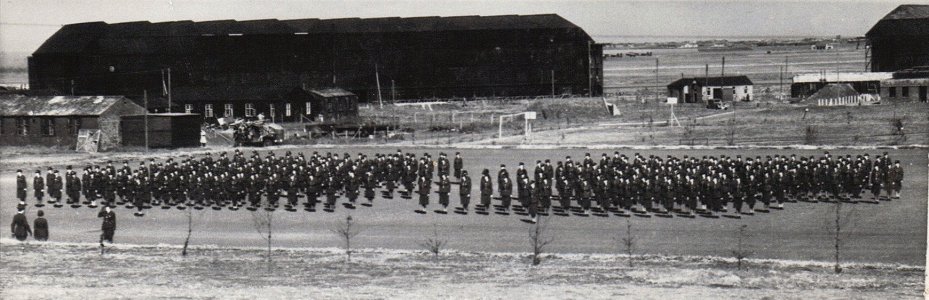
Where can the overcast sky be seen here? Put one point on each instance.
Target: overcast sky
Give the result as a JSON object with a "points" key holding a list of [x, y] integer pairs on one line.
{"points": [[25, 24]]}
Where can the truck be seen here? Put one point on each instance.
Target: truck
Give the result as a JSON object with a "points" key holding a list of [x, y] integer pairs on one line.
{"points": [[256, 133]]}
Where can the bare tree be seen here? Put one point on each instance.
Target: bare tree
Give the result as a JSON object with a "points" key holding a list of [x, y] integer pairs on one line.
{"points": [[740, 253], [839, 221], [539, 238], [263, 221], [434, 244], [628, 242], [346, 231], [190, 224]]}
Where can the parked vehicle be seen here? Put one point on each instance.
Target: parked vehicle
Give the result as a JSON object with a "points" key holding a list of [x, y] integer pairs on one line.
{"points": [[716, 104], [256, 133]]}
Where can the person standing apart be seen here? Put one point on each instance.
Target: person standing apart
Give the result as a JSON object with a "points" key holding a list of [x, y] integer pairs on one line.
{"points": [[40, 227], [20, 226], [108, 226]]}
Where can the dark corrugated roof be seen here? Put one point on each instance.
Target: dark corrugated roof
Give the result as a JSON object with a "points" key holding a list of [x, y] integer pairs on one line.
{"points": [[905, 20], [74, 38], [712, 81], [19, 105]]}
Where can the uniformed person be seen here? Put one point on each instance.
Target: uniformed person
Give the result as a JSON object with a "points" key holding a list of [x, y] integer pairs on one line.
{"points": [[108, 226], [21, 186], [487, 189], [464, 189], [38, 187], [20, 226], [445, 187], [458, 164]]}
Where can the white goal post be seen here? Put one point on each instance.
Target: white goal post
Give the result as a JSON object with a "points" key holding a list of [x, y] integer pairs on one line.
{"points": [[527, 126]]}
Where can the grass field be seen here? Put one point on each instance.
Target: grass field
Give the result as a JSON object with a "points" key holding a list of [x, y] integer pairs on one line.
{"points": [[76, 270]]}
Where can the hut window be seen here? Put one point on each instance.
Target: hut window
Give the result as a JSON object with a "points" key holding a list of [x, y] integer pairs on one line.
{"points": [[22, 127], [309, 107], [228, 113], [48, 126], [892, 92], [287, 109], [905, 92], [73, 125], [188, 108], [208, 110], [249, 109]]}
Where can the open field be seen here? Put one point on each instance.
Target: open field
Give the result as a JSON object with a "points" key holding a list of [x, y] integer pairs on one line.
{"points": [[762, 124], [891, 232], [630, 74], [75, 270]]}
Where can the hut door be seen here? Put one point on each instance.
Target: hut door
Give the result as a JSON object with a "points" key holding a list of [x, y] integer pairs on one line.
{"points": [[717, 93], [922, 93]]}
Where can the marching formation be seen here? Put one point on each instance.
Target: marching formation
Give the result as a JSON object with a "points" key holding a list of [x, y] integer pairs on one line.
{"points": [[640, 185]]}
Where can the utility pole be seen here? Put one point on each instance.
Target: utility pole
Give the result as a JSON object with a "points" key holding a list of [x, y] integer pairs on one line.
{"points": [[169, 90], [393, 91], [723, 72], [590, 84], [72, 87], [378, 78], [553, 83], [145, 96], [781, 84], [657, 84]]}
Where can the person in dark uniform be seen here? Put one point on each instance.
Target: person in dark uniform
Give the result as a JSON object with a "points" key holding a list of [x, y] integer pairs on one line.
{"points": [[487, 188], [40, 228], [534, 190], [445, 187], [425, 187], [370, 183], [464, 189], [896, 179], [20, 226], [38, 187], [108, 226], [21, 186], [876, 181], [506, 191], [457, 165]]}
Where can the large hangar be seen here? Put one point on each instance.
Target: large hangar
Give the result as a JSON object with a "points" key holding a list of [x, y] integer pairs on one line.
{"points": [[408, 58], [900, 40]]}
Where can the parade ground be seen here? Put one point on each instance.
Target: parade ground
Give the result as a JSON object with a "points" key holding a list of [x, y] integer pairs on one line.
{"points": [[892, 232]]}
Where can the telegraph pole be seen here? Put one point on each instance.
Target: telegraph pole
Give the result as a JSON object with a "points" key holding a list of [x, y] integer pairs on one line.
{"points": [[553, 83], [145, 96], [377, 77], [169, 90]]}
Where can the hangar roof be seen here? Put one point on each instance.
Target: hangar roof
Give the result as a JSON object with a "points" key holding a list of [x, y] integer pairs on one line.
{"points": [[76, 38], [905, 20]]}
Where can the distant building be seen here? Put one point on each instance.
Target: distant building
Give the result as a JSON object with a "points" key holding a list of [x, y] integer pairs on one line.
{"points": [[804, 85], [899, 40], [907, 85], [217, 67], [822, 46], [277, 104], [728, 88], [332, 104], [56, 120]]}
